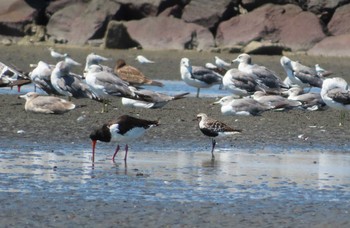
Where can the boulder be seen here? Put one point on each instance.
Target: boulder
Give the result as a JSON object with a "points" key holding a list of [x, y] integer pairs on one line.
{"points": [[14, 15], [339, 23], [285, 24], [208, 14], [80, 21], [332, 46], [117, 36], [169, 33], [264, 48], [134, 10]]}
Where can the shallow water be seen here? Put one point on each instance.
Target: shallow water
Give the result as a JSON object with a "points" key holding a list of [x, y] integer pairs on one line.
{"points": [[178, 174]]}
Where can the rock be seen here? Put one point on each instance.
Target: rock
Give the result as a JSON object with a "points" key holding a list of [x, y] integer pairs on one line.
{"points": [[264, 48], [14, 15], [339, 23], [134, 10], [332, 46], [80, 21], [286, 24], [117, 36], [208, 14], [252, 4], [169, 33]]}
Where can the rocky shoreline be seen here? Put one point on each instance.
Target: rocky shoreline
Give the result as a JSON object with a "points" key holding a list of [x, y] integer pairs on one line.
{"points": [[255, 27]]}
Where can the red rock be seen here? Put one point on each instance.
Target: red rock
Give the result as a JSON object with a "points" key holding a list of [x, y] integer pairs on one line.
{"points": [[169, 33], [81, 21], [286, 24], [339, 23], [332, 46], [14, 15], [208, 13]]}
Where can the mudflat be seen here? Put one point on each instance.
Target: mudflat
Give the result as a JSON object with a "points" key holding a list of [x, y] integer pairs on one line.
{"points": [[272, 131]]}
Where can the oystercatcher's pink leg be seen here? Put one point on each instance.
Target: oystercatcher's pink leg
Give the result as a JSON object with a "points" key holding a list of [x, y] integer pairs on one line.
{"points": [[126, 152], [115, 153]]}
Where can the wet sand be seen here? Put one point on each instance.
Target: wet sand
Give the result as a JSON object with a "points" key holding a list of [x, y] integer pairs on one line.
{"points": [[276, 131]]}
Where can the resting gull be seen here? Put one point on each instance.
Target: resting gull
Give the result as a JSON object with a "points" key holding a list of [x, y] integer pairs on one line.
{"points": [[46, 104], [246, 106], [311, 101], [275, 101], [142, 59]]}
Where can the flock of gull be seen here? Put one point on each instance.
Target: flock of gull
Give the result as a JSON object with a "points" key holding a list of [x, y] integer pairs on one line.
{"points": [[254, 89]]}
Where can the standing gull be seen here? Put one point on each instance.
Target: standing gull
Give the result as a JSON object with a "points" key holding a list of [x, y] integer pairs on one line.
{"points": [[125, 129], [68, 84], [141, 59], [264, 75], [336, 94], [133, 75], [106, 84], [197, 76], [94, 59], [299, 74], [46, 104], [214, 128], [40, 76]]}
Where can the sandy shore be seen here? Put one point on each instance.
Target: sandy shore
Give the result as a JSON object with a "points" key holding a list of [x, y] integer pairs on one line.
{"points": [[279, 130]]}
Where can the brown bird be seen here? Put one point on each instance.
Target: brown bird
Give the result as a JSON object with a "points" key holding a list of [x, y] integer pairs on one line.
{"points": [[133, 75], [214, 128]]}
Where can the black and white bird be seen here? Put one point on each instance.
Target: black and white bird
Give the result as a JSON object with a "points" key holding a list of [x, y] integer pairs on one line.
{"points": [[198, 76], [125, 129], [46, 104], [214, 128], [264, 75], [94, 59], [299, 74], [150, 99], [275, 101], [231, 106], [336, 94]]}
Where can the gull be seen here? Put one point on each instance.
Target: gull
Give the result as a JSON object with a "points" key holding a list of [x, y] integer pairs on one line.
{"points": [[299, 74], [150, 99], [215, 68], [221, 63], [141, 59], [214, 128], [197, 76], [275, 101], [240, 83], [46, 104], [241, 107], [68, 84], [124, 129], [56, 54], [336, 94], [40, 76], [105, 84], [310, 101], [94, 59], [322, 72], [133, 75], [264, 75]]}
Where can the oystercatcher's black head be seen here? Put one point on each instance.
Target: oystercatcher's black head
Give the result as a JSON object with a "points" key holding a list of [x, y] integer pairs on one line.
{"points": [[102, 134]]}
